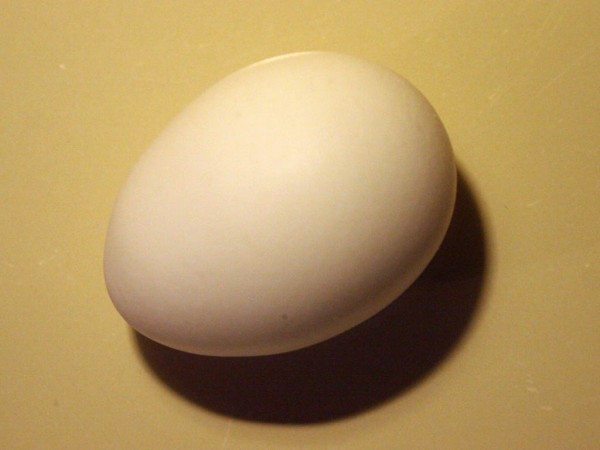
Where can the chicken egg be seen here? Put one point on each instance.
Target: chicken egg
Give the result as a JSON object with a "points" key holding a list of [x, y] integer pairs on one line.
{"points": [[291, 201]]}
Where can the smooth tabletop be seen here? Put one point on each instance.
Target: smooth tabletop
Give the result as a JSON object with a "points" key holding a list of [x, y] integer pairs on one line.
{"points": [[497, 345]]}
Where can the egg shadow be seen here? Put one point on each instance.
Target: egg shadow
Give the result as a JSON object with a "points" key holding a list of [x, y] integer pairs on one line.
{"points": [[358, 370]]}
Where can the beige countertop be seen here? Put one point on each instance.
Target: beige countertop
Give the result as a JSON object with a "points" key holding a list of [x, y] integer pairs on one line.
{"points": [[500, 345]]}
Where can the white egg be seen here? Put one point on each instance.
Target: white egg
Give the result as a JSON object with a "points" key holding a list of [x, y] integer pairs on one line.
{"points": [[293, 200]]}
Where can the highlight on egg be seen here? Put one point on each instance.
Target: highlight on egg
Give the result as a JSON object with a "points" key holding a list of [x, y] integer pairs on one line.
{"points": [[291, 201]]}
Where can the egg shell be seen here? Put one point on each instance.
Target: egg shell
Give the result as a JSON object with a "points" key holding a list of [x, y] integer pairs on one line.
{"points": [[291, 201]]}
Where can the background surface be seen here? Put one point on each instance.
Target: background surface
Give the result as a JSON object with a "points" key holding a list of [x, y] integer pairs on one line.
{"points": [[496, 346]]}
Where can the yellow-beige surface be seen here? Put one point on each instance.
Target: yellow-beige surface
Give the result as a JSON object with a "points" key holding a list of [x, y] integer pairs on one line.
{"points": [[497, 345]]}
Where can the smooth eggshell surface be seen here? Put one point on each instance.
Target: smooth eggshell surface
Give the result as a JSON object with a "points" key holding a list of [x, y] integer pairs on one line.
{"points": [[291, 201]]}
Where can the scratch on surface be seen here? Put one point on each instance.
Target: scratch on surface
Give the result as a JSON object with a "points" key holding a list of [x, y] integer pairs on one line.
{"points": [[530, 385], [552, 16], [534, 42], [51, 257], [227, 433], [495, 95], [563, 72]]}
